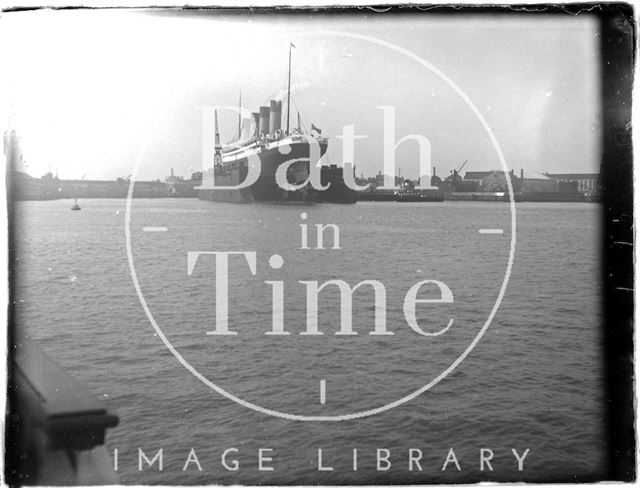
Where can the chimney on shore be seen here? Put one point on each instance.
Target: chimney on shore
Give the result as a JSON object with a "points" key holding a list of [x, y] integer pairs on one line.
{"points": [[521, 174]]}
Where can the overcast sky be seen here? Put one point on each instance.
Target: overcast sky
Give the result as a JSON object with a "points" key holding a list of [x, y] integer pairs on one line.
{"points": [[91, 91]]}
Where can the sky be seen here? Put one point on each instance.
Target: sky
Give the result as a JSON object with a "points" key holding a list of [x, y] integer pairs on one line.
{"points": [[90, 92]]}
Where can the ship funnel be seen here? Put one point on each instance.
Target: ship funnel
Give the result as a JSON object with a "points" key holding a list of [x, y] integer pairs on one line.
{"points": [[246, 128], [275, 116], [264, 121], [255, 124]]}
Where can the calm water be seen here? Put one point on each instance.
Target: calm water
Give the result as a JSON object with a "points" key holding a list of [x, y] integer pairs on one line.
{"points": [[534, 381]]}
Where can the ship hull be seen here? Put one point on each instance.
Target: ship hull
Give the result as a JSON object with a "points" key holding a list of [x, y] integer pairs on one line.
{"points": [[234, 171]]}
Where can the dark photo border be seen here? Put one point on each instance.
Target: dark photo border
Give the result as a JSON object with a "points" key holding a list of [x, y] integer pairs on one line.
{"points": [[617, 44]]}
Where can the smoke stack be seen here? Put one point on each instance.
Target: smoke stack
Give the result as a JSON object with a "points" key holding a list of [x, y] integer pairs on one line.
{"points": [[521, 174], [434, 171], [255, 121], [275, 116], [245, 129], [264, 121]]}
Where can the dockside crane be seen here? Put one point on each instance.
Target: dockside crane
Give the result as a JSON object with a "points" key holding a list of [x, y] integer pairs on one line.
{"points": [[453, 181], [462, 166]]}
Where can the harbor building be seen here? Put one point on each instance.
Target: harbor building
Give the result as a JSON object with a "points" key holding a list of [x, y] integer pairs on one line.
{"points": [[583, 182], [495, 181], [537, 183], [477, 177]]}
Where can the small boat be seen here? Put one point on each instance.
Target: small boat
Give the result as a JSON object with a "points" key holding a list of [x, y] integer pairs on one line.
{"points": [[75, 205], [418, 196]]}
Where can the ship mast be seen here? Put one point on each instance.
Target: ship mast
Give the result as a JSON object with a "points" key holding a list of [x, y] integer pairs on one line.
{"points": [[289, 87], [240, 116], [217, 158]]}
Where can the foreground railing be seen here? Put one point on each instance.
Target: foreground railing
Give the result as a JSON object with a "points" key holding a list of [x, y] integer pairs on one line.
{"points": [[56, 427]]}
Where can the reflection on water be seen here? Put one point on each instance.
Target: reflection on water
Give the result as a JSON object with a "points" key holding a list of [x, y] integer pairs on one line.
{"points": [[534, 381]]}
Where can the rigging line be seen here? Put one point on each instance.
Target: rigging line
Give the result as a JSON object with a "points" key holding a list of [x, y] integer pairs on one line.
{"points": [[298, 101], [303, 125], [231, 136], [289, 97], [304, 109], [240, 116], [301, 107], [233, 130]]}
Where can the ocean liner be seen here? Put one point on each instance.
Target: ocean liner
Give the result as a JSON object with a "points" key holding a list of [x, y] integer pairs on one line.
{"points": [[264, 139]]}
